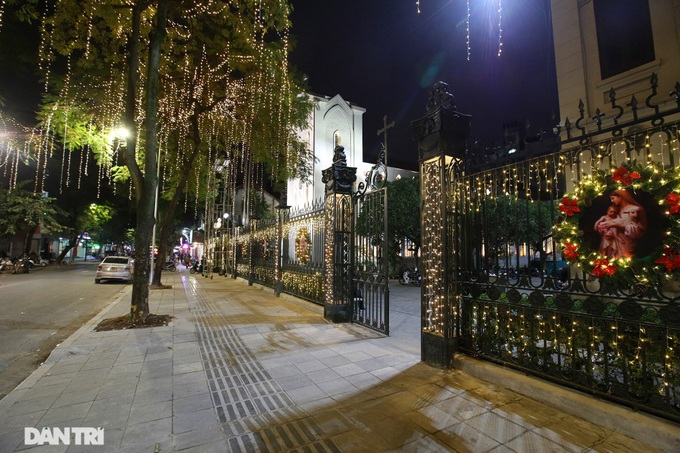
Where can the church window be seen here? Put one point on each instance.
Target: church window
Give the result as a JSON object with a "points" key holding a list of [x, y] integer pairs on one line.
{"points": [[624, 35]]}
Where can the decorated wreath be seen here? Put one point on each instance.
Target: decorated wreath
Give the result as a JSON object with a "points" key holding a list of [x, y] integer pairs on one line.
{"points": [[303, 245], [264, 247], [624, 225]]}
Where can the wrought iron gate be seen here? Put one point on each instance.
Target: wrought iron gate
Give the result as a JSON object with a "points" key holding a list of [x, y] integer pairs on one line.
{"points": [[519, 266], [370, 306]]}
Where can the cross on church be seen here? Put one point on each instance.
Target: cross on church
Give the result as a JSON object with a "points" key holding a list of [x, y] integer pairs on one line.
{"points": [[384, 131]]}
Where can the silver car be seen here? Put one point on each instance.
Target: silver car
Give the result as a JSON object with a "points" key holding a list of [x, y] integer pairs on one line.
{"points": [[115, 268]]}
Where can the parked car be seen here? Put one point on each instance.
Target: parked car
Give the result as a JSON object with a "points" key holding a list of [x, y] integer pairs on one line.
{"points": [[115, 268]]}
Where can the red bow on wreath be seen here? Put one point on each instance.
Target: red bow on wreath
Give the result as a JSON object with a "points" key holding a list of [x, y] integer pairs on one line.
{"points": [[672, 200], [602, 268], [570, 251], [569, 206], [670, 259], [625, 177]]}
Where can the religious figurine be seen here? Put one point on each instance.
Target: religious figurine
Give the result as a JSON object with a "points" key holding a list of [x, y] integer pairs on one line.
{"points": [[339, 157], [440, 96]]}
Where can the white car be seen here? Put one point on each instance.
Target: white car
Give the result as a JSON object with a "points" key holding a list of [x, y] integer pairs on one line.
{"points": [[115, 268]]}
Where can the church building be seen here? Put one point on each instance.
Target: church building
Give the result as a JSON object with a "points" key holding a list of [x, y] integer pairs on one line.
{"points": [[334, 121]]}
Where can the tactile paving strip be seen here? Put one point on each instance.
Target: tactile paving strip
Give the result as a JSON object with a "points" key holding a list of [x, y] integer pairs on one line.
{"points": [[255, 412]]}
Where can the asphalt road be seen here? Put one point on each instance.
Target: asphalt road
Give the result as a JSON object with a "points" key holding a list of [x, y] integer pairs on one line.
{"points": [[41, 309]]}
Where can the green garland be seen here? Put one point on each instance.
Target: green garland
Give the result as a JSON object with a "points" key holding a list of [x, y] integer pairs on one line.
{"points": [[303, 245], [662, 263]]}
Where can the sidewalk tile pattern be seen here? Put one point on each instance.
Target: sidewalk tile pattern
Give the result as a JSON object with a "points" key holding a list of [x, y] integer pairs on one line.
{"points": [[241, 370]]}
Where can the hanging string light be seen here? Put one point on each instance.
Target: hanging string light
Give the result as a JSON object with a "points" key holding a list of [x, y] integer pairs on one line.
{"points": [[63, 156], [500, 27], [467, 29], [499, 11], [2, 11]]}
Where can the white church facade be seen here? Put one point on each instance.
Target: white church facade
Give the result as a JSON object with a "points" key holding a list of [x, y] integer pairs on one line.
{"points": [[334, 121]]}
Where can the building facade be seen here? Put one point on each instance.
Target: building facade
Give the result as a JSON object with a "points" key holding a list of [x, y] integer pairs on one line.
{"points": [[602, 45]]}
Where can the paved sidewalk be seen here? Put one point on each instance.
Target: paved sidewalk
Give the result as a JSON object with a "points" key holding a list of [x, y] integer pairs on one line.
{"points": [[239, 369]]}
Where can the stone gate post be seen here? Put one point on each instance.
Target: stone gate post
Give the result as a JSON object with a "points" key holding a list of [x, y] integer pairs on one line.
{"points": [[441, 138], [338, 219]]}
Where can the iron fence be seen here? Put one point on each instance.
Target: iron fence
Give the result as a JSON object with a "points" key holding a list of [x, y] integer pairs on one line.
{"points": [[303, 252], [518, 302]]}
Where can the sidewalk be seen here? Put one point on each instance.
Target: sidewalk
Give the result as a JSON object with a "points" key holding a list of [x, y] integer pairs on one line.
{"points": [[239, 369]]}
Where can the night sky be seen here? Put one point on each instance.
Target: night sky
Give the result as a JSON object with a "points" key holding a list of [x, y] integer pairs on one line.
{"points": [[383, 56]]}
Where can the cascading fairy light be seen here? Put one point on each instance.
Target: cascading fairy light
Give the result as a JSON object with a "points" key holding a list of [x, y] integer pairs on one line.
{"points": [[2, 11], [467, 26], [111, 111], [36, 177], [669, 370], [61, 177], [45, 147], [500, 27], [43, 53], [89, 35], [99, 181], [83, 152], [467, 30], [198, 186], [69, 152], [15, 171], [87, 155]]}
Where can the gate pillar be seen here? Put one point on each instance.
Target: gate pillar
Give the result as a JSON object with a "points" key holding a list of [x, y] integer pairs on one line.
{"points": [[441, 136], [337, 286]]}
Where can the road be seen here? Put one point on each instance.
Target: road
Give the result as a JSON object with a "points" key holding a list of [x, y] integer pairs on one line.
{"points": [[41, 309]]}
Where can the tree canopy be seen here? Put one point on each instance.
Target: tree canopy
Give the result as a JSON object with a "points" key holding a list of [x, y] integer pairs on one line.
{"points": [[22, 210], [188, 80], [403, 215], [506, 222]]}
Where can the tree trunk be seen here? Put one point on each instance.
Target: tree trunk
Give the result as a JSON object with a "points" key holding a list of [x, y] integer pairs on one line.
{"points": [[29, 239], [72, 243], [145, 186], [165, 230]]}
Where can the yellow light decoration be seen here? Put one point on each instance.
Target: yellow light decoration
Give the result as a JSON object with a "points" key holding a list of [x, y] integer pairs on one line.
{"points": [[650, 178]]}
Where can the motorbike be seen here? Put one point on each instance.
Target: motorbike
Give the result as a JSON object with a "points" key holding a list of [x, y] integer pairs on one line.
{"points": [[21, 265], [6, 264], [197, 268], [170, 266], [411, 277]]}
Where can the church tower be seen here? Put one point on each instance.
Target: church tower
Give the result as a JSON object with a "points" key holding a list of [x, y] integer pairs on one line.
{"points": [[334, 121]]}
